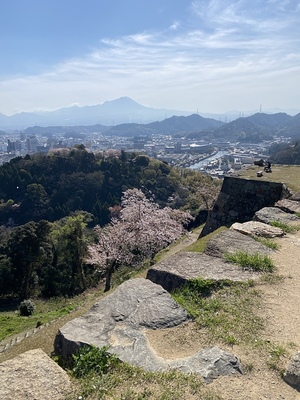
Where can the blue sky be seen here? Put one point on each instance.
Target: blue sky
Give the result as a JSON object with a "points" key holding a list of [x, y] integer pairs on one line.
{"points": [[206, 55]]}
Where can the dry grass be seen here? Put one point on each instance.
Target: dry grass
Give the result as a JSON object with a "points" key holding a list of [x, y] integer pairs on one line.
{"points": [[288, 174]]}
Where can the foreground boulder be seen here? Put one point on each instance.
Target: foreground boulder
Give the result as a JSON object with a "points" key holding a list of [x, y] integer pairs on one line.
{"points": [[292, 373], [120, 321], [256, 228], [231, 241], [33, 375], [177, 270]]}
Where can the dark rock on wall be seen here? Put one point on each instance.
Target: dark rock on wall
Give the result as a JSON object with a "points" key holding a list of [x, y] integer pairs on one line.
{"points": [[239, 199]]}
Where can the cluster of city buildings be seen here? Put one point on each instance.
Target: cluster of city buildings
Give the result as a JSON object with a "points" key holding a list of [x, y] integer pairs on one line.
{"points": [[214, 158]]}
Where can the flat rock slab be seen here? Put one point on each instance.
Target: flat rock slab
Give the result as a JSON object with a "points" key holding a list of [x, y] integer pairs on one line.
{"points": [[33, 375], [271, 214], [289, 206], [121, 320], [231, 241], [178, 269], [257, 228]]}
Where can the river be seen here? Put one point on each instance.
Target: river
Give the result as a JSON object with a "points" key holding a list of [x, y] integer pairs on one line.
{"points": [[204, 162]]}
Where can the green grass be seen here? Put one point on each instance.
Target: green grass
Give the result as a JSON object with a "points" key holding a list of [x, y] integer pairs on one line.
{"points": [[124, 382], [255, 262], [228, 313], [11, 323], [267, 242], [200, 245], [285, 227]]}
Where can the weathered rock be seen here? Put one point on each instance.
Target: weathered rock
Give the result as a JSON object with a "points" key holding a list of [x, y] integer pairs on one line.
{"points": [[178, 269], [256, 228], [119, 321], [271, 214], [230, 241], [209, 363], [292, 373], [33, 375], [289, 206]]}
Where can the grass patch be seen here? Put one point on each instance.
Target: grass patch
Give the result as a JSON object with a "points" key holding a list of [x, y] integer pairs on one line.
{"points": [[200, 245], [124, 382], [267, 242], [228, 312], [255, 262], [277, 354], [11, 323], [285, 227]]}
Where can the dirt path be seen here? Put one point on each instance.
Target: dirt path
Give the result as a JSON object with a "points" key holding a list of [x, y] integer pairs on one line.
{"points": [[281, 312]]}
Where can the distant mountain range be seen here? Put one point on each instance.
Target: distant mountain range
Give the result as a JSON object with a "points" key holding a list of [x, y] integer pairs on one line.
{"points": [[112, 113], [260, 126], [252, 129], [122, 110]]}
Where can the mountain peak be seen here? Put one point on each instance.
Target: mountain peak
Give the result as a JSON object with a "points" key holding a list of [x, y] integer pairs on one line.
{"points": [[122, 101]]}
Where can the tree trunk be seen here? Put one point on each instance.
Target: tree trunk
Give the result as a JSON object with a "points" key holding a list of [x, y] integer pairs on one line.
{"points": [[108, 274]]}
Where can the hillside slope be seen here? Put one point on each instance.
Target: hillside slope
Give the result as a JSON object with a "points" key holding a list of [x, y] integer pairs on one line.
{"points": [[281, 302]]}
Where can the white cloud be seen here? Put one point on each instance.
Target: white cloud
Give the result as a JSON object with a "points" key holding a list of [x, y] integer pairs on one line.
{"points": [[230, 53]]}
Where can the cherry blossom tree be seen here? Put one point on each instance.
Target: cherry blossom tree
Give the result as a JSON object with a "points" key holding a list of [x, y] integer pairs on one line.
{"points": [[136, 232]]}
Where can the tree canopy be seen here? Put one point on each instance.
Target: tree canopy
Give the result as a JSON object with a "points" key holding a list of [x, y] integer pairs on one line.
{"points": [[139, 230]]}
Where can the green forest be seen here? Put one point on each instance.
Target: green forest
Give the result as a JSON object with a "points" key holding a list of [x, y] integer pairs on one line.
{"points": [[51, 203]]}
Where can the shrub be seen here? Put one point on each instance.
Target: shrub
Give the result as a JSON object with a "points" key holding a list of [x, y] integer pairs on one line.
{"points": [[92, 359], [26, 308]]}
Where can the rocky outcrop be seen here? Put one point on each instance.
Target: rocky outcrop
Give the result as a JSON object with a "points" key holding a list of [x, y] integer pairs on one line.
{"points": [[120, 321], [239, 199], [289, 206], [292, 373], [268, 215], [33, 375], [231, 241], [178, 269], [256, 228]]}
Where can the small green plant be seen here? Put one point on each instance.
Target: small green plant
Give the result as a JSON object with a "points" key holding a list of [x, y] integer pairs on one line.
{"points": [[248, 367], [92, 359], [285, 227], [255, 262], [276, 353], [230, 339], [268, 243], [26, 308]]}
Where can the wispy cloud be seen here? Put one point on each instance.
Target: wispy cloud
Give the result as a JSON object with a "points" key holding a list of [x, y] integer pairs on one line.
{"points": [[231, 48]]}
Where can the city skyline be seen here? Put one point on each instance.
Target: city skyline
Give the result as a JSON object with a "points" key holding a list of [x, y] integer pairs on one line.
{"points": [[207, 56]]}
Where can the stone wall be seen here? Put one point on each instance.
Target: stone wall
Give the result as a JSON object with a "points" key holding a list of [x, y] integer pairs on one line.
{"points": [[240, 198]]}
